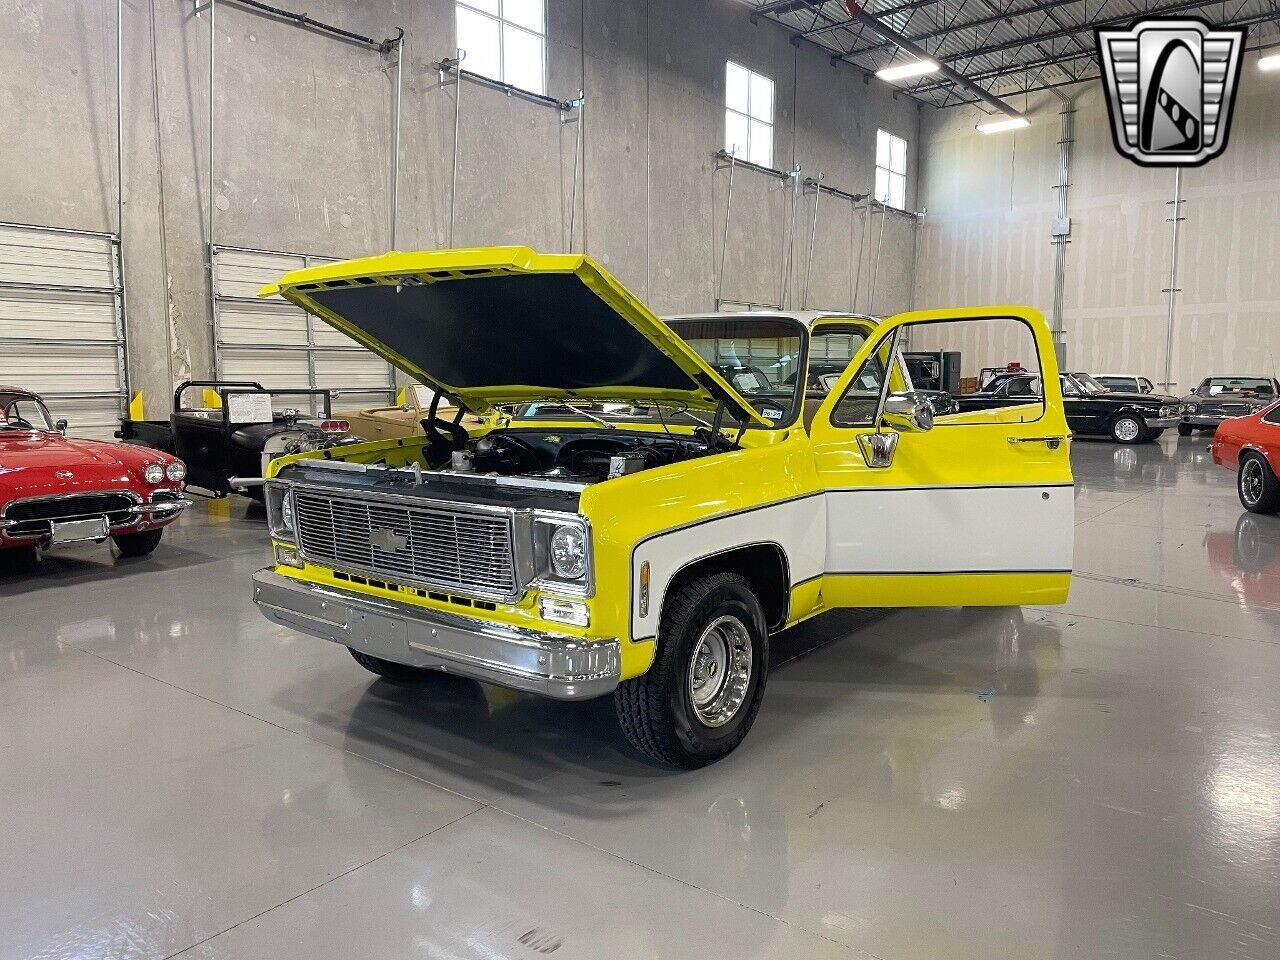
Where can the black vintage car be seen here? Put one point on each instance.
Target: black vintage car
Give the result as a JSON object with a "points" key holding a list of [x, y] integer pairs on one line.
{"points": [[224, 429], [1221, 398], [1092, 409]]}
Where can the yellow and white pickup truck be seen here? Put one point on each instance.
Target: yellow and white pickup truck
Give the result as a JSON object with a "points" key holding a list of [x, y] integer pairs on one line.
{"points": [[649, 500]]}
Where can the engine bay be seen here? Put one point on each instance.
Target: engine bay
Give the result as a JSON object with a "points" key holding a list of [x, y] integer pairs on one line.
{"points": [[582, 456]]}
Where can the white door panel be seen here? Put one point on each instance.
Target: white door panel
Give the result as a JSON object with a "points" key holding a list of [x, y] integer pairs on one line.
{"points": [[950, 529]]}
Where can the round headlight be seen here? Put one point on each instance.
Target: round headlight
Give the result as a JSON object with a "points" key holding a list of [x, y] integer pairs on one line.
{"points": [[569, 553], [176, 471], [1191, 408], [154, 473]]}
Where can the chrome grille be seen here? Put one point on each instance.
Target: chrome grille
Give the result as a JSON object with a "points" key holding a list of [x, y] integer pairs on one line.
{"points": [[1226, 408], [436, 547]]}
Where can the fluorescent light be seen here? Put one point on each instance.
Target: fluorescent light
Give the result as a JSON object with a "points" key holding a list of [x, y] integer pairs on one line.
{"points": [[1000, 126], [1270, 60], [904, 71]]}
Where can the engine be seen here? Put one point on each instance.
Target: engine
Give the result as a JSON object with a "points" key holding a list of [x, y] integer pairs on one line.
{"points": [[588, 456]]}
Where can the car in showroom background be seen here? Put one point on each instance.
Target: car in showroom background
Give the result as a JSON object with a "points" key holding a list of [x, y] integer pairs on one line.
{"points": [[56, 489]]}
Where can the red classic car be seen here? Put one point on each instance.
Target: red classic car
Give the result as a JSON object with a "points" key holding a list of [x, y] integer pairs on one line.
{"points": [[1251, 446], [55, 489]]}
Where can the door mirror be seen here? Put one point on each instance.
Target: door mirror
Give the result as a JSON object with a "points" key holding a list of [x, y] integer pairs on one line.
{"points": [[61, 426], [907, 413]]}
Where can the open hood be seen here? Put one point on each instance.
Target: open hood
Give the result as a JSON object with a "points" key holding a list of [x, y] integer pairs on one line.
{"points": [[495, 325]]}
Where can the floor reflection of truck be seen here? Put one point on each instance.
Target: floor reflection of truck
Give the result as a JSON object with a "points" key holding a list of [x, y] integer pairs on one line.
{"points": [[225, 428]]}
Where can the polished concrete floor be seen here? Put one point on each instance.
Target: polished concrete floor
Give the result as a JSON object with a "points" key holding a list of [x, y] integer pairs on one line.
{"points": [[179, 777]]}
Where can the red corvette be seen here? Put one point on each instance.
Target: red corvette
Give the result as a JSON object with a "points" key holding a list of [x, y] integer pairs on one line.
{"points": [[1251, 446], [55, 489]]}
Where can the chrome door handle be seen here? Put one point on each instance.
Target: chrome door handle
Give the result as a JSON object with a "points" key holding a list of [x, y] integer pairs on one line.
{"points": [[1051, 442]]}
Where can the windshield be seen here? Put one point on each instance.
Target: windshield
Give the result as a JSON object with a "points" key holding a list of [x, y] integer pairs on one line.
{"points": [[1118, 383], [1217, 386], [758, 356], [1088, 384], [23, 412]]}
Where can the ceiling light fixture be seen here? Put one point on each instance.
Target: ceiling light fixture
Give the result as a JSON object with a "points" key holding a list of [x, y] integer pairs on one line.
{"points": [[1000, 126], [905, 71], [1270, 59]]}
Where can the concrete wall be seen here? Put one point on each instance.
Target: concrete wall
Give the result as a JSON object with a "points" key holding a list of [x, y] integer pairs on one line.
{"points": [[986, 237], [303, 152]]}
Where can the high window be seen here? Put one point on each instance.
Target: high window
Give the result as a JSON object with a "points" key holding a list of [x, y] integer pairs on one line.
{"points": [[748, 114], [891, 170], [505, 40]]}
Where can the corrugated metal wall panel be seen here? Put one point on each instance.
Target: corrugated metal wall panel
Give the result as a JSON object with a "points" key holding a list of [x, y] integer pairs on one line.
{"points": [[271, 342], [61, 323]]}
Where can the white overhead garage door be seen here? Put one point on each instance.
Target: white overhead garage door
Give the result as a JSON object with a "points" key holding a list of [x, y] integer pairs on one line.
{"points": [[61, 323], [278, 345]]}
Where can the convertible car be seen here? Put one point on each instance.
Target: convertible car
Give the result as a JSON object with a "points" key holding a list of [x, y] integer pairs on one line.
{"points": [[405, 419], [55, 489], [1092, 409], [235, 428]]}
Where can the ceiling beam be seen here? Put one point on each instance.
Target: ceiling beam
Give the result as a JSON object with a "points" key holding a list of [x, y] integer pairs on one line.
{"points": [[1120, 20], [970, 24], [1272, 16], [892, 36], [850, 25]]}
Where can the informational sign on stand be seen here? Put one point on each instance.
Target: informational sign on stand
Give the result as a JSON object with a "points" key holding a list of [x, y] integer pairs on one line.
{"points": [[249, 407]]}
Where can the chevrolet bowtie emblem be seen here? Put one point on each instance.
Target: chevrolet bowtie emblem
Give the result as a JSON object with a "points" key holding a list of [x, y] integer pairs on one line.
{"points": [[1171, 86], [388, 540]]}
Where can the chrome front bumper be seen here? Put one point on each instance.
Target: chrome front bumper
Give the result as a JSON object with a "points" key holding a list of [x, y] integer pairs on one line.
{"points": [[565, 668], [1160, 423]]}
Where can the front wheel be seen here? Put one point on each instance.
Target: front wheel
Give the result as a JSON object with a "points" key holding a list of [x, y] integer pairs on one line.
{"points": [[1185, 429], [389, 669], [1127, 429], [138, 544], [702, 694], [1153, 435], [1257, 486]]}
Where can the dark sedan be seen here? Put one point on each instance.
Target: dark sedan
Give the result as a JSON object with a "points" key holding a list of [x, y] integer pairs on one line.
{"points": [[1222, 398], [1092, 409]]}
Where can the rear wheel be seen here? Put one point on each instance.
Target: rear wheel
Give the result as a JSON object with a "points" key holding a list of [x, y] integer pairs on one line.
{"points": [[138, 544], [1257, 486], [702, 694], [389, 669], [1185, 429], [1128, 429]]}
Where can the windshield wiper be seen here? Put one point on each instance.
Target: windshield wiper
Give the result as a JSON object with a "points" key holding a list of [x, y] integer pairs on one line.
{"points": [[591, 416]]}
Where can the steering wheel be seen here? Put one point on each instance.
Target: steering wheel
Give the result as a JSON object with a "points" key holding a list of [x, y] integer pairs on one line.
{"points": [[20, 423]]}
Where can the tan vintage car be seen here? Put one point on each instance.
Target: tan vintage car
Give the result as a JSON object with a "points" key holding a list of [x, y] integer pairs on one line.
{"points": [[403, 420]]}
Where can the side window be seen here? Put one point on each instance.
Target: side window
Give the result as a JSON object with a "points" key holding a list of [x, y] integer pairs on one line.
{"points": [[830, 350], [1068, 388], [964, 350], [1272, 416], [861, 401]]}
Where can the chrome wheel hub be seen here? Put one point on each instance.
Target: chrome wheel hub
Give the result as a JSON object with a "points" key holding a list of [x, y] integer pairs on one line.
{"points": [[720, 671], [1251, 481], [1127, 429]]}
